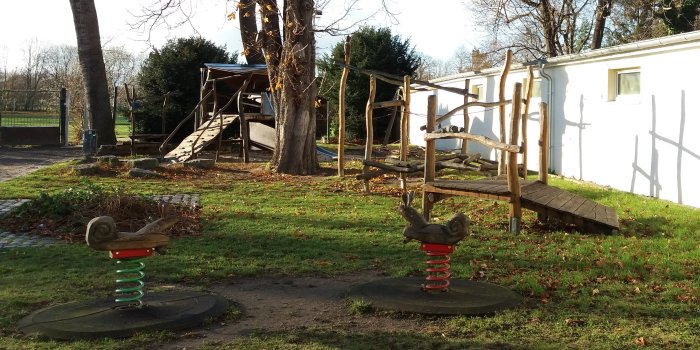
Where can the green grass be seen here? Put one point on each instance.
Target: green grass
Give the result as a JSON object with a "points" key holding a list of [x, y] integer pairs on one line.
{"points": [[18, 119], [580, 290], [122, 127]]}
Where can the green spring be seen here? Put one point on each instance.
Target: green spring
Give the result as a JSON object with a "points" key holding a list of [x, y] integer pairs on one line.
{"points": [[133, 271]]}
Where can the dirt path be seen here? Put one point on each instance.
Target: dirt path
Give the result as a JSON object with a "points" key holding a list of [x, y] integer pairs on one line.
{"points": [[273, 304], [18, 161]]}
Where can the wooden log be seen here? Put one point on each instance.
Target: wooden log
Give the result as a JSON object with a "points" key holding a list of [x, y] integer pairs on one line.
{"points": [[544, 142], [341, 108], [465, 143], [369, 139], [386, 104], [502, 109], [471, 104], [397, 80], [390, 125], [478, 138], [513, 177], [391, 167], [405, 122], [429, 171], [245, 127], [526, 112]]}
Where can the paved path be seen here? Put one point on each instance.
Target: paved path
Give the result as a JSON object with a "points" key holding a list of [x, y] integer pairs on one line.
{"points": [[18, 161]]}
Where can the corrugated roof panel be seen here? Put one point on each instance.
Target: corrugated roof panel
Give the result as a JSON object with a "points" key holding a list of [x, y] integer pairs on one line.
{"points": [[238, 68]]}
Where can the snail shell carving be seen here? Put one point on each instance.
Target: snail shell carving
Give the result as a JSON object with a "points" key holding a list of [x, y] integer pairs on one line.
{"points": [[101, 229]]}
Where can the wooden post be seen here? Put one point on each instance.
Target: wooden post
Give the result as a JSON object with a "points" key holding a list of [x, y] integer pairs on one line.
{"points": [[544, 142], [390, 125], [114, 103], [369, 140], [502, 109], [465, 143], [162, 112], [405, 118], [429, 170], [513, 177], [202, 85], [341, 108], [245, 129], [526, 112], [130, 101]]}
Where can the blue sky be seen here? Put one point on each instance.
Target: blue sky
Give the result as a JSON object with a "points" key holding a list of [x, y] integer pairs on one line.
{"points": [[437, 30]]}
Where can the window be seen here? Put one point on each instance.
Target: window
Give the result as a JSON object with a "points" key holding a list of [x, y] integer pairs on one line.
{"points": [[623, 83], [479, 91], [628, 83]]}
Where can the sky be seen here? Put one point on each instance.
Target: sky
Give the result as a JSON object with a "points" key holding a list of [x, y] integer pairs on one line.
{"points": [[435, 30]]}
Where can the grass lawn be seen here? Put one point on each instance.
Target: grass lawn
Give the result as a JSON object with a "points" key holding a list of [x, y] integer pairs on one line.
{"points": [[10, 118], [636, 287]]}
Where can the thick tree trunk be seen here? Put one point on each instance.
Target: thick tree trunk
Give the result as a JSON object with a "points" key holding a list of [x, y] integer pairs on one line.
{"points": [[249, 31], [549, 27], [602, 12], [291, 67], [93, 69]]}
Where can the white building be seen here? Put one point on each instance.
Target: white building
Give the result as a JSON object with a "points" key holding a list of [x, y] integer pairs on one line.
{"points": [[626, 116]]}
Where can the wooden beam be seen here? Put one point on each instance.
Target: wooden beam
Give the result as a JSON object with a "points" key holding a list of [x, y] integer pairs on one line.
{"points": [[405, 123], [341, 108], [369, 139], [513, 176], [397, 80], [544, 143], [478, 138], [502, 109], [472, 104], [465, 143], [526, 112], [386, 104], [429, 171]]}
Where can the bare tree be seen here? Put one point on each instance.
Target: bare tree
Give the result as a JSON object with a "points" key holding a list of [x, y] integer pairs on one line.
{"points": [[535, 28], [602, 12], [33, 71], [461, 60], [92, 65]]}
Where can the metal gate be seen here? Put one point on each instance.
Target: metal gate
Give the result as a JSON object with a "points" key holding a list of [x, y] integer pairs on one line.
{"points": [[29, 117]]}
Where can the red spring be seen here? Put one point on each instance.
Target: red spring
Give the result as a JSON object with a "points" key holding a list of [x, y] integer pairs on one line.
{"points": [[438, 270]]}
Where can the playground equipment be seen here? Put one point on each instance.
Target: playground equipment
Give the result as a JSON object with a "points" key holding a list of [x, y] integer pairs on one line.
{"points": [[132, 310], [548, 202], [438, 293]]}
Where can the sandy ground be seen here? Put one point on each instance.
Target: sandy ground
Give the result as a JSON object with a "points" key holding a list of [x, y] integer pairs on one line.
{"points": [[17, 161], [279, 304]]}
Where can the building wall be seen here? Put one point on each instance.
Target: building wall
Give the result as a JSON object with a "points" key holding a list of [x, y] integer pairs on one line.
{"points": [[646, 144]]}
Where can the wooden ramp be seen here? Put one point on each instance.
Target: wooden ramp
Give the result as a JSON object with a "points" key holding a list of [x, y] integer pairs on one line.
{"points": [[549, 202], [200, 138]]}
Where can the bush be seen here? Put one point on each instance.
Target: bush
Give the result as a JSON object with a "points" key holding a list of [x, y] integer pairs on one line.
{"points": [[174, 68]]}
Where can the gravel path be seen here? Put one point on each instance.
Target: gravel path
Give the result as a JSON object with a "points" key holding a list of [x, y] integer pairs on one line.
{"points": [[18, 161]]}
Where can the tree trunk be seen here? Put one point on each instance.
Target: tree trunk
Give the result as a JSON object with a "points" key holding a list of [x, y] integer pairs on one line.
{"points": [[549, 27], [602, 11], [291, 67], [249, 31], [92, 66]]}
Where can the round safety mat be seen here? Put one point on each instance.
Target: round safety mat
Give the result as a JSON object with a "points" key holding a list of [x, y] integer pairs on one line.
{"points": [[102, 318], [464, 297]]}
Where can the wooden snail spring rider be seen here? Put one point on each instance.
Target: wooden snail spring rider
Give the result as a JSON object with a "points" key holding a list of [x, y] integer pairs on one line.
{"points": [[438, 294], [128, 313]]}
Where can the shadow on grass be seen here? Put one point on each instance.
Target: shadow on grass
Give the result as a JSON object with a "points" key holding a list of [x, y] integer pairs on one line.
{"points": [[360, 340]]}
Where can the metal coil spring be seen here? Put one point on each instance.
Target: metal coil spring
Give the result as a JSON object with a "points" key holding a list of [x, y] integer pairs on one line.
{"points": [[438, 270], [134, 274]]}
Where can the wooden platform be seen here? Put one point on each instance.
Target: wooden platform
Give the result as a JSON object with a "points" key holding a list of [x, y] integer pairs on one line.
{"points": [[549, 202], [201, 137]]}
